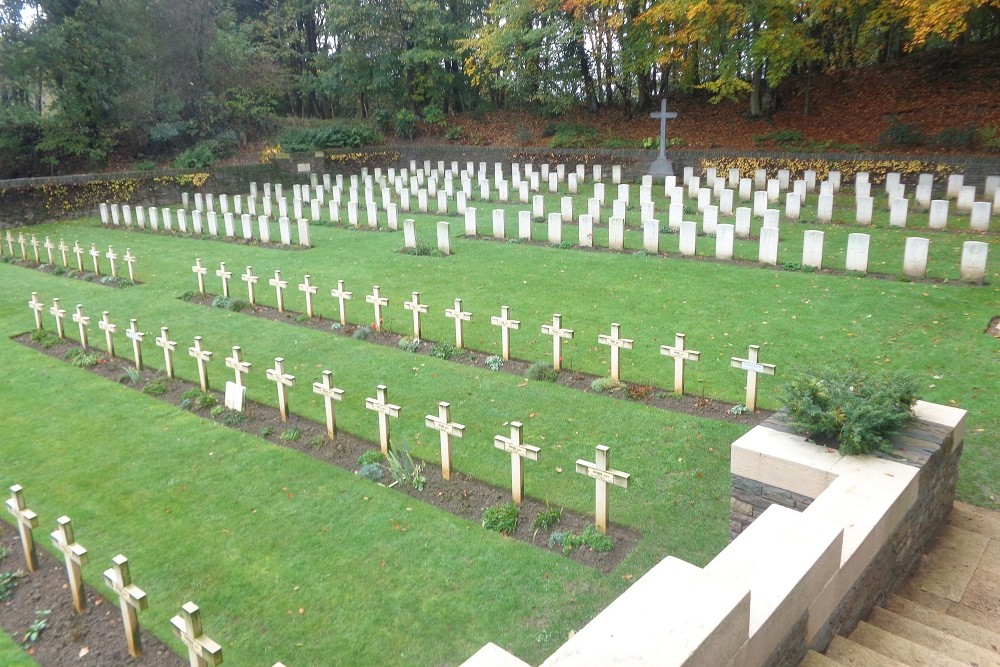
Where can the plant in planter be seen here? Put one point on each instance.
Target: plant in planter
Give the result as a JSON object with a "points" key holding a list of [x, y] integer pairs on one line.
{"points": [[859, 409]]}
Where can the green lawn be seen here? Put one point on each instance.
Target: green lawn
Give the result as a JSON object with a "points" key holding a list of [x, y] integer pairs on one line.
{"points": [[12, 654], [255, 533]]}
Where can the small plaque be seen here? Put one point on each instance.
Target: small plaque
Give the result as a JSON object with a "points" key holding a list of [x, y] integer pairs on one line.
{"points": [[235, 396], [752, 367], [304, 167]]}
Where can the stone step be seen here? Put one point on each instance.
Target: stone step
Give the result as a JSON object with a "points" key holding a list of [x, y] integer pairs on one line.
{"points": [[933, 639], [900, 648], [956, 627], [814, 659], [846, 652], [975, 519]]}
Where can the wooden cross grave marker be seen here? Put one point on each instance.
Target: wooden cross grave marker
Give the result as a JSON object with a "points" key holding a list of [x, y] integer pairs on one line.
{"points": [[341, 295], [130, 599], [59, 314], [38, 308], [558, 333], [169, 346], [417, 308], [26, 520], [250, 279], [112, 259], [136, 336], [200, 271], [377, 301], [283, 380], [63, 249], [384, 410], [23, 242], [82, 321], [680, 355], [308, 289], [459, 316], [202, 651], [129, 259], [602, 475], [49, 247], [34, 249], [75, 556], [279, 285], [752, 367], [617, 343], [109, 329], [329, 394], [95, 254], [79, 252], [10, 243], [225, 276], [202, 356], [448, 430], [236, 392], [518, 452], [505, 324]]}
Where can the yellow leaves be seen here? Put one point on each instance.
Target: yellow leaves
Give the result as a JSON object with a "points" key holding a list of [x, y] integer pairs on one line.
{"points": [[270, 153], [877, 169]]}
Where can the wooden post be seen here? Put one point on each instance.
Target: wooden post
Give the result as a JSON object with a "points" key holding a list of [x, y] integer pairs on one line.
{"points": [[79, 252], [417, 308], [617, 343], [23, 242], [112, 259], [163, 340], [136, 336], [34, 249], [26, 520], [459, 316], [38, 307], [225, 276], [200, 271], [240, 367], [443, 424], [341, 295], [202, 357], [10, 243], [130, 263], [49, 247], [377, 301], [680, 355], [518, 452], [558, 333], [283, 380], [278, 284], [329, 394], [308, 289], [95, 254], [752, 367], [82, 321], [384, 410], [63, 250], [202, 651], [602, 475], [59, 314], [109, 330], [130, 599], [75, 556], [250, 279], [505, 324]]}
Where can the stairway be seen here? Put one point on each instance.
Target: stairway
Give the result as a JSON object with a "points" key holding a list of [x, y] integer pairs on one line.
{"points": [[946, 614]]}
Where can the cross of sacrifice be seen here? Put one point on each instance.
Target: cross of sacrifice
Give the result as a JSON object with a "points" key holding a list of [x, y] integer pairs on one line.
{"points": [[202, 356], [752, 367], [96, 255], [109, 329], [200, 271], [136, 337], [341, 295], [130, 599], [75, 556], [23, 242], [680, 355], [329, 394], [283, 380], [384, 410], [63, 249], [26, 520], [240, 367], [602, 475], [308, 289], [169, 346], [663, 116], [59, 314], [112, 259], [34, 249], [79, 252], [38, 307], [130, 263], [459, 316], [202, 651], [617, 343], [417, 308], [250, 279], [82, 321], [377, 301], [49, 247], [505, 324], [558, 333], [225, 276], [518, 452], [279, 285], [448, 430]]}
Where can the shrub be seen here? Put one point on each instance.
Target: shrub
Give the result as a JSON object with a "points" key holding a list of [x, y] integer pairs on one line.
{"points": [[334, 135], [783, 138], [44, 339], [443, 350], [858, 408], [81, 358], [573, 136], [494, 362], [233, 418], [542, 372], [405, 124], [433, 115], [404, 469], [954, 137], [501, 518], [372, 472], [371, 456], [217, 411], [198, 399], [196, 157], [902, 134], [547, 518], [989, 137], [266, 432], [382, 119], [155, 387], [640, 392], [605, 385], [408, 344], [361, 333], [131, 376], [557, 538], [8, 580], [591, 538], [229, 303], [454, 133], [290, 435]]}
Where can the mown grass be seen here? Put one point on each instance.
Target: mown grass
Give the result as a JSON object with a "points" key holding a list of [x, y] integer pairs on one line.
{"points": [[13, 655]]}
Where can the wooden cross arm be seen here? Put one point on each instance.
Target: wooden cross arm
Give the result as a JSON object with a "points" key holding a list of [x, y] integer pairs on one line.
{"points": [[208, 649], [615, 477], [386, 408], [436, 423], [670, 351], [23, 516], [531, 452], [499, 321], [766, 369]]}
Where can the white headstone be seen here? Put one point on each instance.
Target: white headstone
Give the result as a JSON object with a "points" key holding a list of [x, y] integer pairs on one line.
{"points": [[710, 220], [743, 222], [824, 208], [285, 231], [247, 226], [444, 238], [616, 233], [538, 207], [966, 196], [923, 195], [759, 203], [974, 254], [979, 220], [812, 248], [733, 178], [524, 225], [688, 238], [726, 202], [760, 179], [768, 251], [792, 206], [304, 233], [864, 207], [991, 187], [498, 223], [857, 252], [567, 209], [555, 228], [264, 227], [704, 199], [586, 224], [955, 182], [409, 233], [676, 215], [897, 212], [915, 257], [939, 213], [470, 221], [809, 176], [773, 190], [772, 218], [724, 241], [599, 192]]}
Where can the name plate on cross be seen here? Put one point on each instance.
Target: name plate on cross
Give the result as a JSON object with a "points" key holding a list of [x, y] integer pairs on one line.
{"points": [[756, 368]]}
